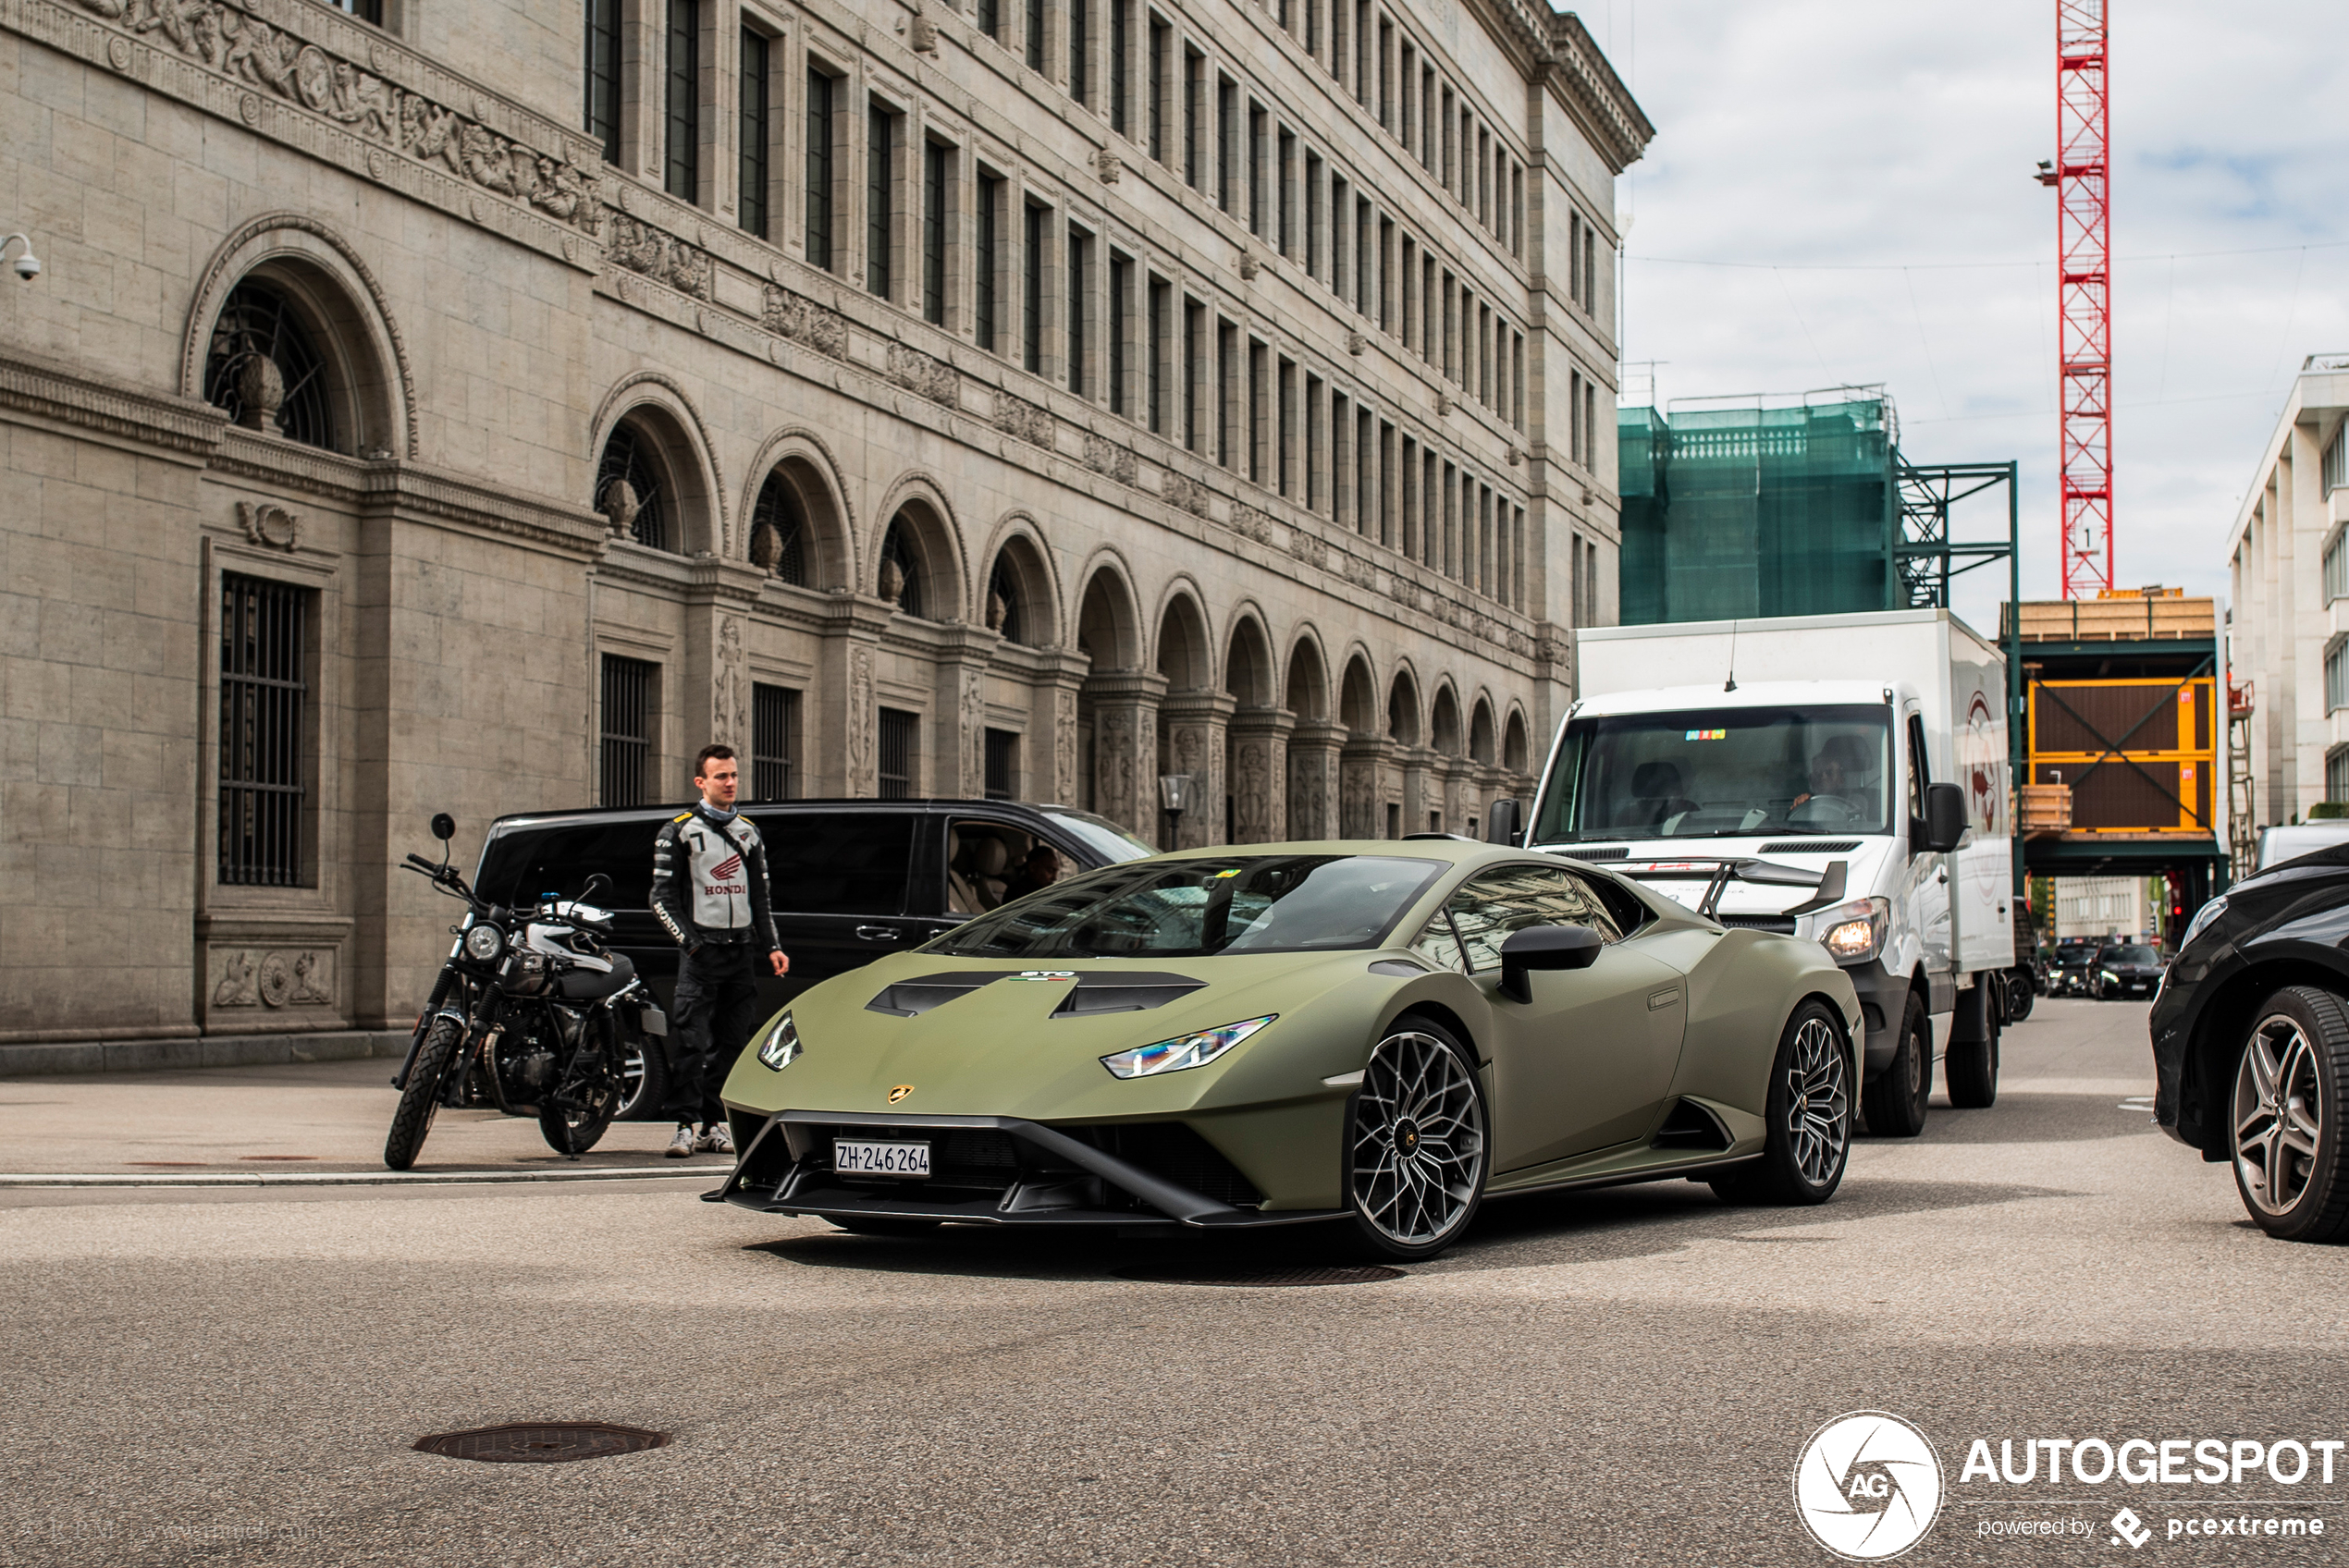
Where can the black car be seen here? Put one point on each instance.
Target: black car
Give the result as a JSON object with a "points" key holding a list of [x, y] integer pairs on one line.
{"points": [[853, 881], [2251, 1043], [2125, 969], [2070, 971]]}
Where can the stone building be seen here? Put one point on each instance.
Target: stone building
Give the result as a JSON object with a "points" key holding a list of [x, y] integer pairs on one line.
{"points": [[478, 406]]}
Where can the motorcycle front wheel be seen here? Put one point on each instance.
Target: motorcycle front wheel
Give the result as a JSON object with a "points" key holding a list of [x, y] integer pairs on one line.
{"points": [[573, 1119], [412, 1120]]}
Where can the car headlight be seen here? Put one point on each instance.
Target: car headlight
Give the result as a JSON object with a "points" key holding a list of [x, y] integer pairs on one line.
{"points": [[482, 942], [781, 1047], [1854, 931], [2202, 917], [2108, 976], [1186, 1050]]}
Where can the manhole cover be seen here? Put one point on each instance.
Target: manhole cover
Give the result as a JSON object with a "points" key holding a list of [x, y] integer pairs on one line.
{"points": [[539, 1442], [1350, 1274]]}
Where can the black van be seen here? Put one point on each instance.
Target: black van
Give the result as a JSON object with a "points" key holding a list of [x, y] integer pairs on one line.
{"points": [[853, 881]]}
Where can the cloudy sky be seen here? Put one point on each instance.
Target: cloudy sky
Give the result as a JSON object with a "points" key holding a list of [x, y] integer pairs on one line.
{"points": [[1857, 181]]}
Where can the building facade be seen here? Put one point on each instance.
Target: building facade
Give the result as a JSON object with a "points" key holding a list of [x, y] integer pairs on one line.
{"points": [[2288, 563], [480, 407]]}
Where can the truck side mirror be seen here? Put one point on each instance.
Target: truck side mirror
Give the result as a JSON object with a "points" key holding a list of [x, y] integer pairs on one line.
{"points": [[1501, 823], [1944, 824], [1544, 946]]}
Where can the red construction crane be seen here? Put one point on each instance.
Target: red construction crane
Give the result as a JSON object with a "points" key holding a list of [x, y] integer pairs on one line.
{"points": [[2083, 293]]}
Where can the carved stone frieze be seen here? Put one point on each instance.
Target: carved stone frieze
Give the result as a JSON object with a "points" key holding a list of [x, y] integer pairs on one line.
{"points": [[803, 321], [1017, 416], [269, 524], [1307, 547], [272, 977], [1250, 524], [664, 258], [1103, 456], [924, 375], [1185, 493]]}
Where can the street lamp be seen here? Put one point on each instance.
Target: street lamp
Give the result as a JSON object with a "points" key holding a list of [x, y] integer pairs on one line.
{"points": [[1174, 794]]}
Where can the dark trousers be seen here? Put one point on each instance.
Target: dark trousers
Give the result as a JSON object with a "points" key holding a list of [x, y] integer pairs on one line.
{"points": [[716, 1009]]}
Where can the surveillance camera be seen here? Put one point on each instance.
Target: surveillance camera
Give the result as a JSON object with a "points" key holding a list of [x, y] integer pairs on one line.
{"points": [[28, 266]]}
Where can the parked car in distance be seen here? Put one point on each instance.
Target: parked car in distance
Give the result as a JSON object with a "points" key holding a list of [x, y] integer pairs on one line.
{"points": [[2070, 971], [2125, 969], [2251, 1043], [853, 881], [2295, 840]]}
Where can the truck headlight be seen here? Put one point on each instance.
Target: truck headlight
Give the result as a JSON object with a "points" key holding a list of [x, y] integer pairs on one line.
{"points": [[1186, 1050], [780, 1047], [1855, 932]]}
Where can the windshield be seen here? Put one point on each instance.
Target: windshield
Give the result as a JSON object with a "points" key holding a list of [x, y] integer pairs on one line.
{"points": [[1105, 837], [1720, 772], [1194, 908], [2128, 955]]}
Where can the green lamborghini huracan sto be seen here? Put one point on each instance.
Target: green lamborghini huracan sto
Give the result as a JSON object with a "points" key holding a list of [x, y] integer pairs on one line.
{"points": [[1376, 1034]]}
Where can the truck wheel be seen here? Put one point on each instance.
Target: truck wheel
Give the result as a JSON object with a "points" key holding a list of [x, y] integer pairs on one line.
{"points": [[1895, 1103], [2021, 992], [1971, 1068]]}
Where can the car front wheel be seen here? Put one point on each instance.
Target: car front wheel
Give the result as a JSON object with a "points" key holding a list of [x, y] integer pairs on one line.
{"points": [[2287, 1111], [1809, 1112], [1415, 1155]]}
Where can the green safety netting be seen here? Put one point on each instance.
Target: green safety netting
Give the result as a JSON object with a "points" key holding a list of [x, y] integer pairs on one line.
{"points": [[1756, 512]]}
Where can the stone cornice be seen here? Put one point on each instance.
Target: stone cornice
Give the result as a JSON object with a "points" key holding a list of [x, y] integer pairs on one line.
{"points": [[33, 384], [1585, 83]]}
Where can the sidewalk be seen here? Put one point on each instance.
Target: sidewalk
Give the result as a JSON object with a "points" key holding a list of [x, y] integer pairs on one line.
{"points": [[280, 1120]]}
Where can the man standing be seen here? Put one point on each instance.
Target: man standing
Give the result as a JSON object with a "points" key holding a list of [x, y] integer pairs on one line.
{"points": [[711, 890]]}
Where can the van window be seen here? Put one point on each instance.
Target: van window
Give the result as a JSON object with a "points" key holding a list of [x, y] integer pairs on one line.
{"points": [[838, 862], [525, 864]]}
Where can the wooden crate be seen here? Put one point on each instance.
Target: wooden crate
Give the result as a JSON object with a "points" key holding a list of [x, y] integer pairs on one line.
{"points": [[2168, 618], [2043, 808]]}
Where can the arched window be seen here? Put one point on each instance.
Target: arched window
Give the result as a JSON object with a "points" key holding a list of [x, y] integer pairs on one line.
{"points": [[264, 367], [897, 553], [779, 530], [642, 508], [1004, 609]]}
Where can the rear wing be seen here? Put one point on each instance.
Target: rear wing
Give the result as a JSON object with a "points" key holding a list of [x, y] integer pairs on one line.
{"points": [[1718, 871]]}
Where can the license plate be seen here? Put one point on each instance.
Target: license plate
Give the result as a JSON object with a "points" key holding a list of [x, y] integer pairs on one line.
{"points": [[860, 1156]]}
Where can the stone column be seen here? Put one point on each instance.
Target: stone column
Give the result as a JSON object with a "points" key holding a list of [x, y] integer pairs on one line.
{"points": [[1125, 748], [959, 753], [1260, 775], [840, 721], [1420, 786], [1362, 786], [1195, 722], [1312, 749], [1048, 756], [711, 697]]}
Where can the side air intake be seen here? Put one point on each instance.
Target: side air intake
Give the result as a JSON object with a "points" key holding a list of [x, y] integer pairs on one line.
{"points": [[1690, 1126]]}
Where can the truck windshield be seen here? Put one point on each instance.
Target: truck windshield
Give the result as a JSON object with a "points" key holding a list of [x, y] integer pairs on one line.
{"points": [[1720, 773]]}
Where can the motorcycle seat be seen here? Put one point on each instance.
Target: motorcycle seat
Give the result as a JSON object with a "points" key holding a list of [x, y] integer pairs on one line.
{"points": [[584, 985]]}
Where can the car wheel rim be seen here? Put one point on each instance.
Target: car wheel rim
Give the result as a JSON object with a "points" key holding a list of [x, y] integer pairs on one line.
{"points": [[1417, 1154], [2278, 1115], [1818, 1102], [631, 1074]]}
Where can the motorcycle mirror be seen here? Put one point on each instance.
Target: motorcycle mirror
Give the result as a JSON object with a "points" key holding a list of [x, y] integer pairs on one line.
{"points": [[444, 827], [594, 881]]}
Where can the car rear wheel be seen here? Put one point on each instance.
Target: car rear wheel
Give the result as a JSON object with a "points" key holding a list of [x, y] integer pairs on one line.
{"points": [[1415, 1155], [1895, 1103], [644, 1073], [2289, 1093], [1809, 1113]]}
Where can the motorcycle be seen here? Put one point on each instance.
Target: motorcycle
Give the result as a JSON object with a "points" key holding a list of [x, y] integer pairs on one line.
{"points": [[532, 1014]]}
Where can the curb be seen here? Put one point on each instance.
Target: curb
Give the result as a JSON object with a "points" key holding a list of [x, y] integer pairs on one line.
{"points": [[359, 1178], [29, 1060]]}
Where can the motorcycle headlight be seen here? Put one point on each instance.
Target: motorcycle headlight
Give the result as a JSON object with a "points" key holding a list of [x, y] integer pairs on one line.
{"points": [[1854, 931], [781, 1047], [1184, 1051], [482, 942], [2202, 917]]}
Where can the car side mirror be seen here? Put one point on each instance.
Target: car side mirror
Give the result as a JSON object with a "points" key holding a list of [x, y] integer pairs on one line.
{"points": [[1544, 946], [1501, 823], [444, 827], [1944, 824]]}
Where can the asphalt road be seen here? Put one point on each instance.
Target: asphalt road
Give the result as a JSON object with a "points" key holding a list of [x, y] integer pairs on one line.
{"points": [[1617, 1378]]}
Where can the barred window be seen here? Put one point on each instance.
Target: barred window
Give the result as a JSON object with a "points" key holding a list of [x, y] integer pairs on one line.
{"points": [[628, 459], [627, 731], [898, 731], [774, 742], [265, 370], [264, 630], [1002, 763]]}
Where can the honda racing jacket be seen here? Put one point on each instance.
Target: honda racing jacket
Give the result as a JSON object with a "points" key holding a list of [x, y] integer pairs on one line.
{"points": [[710, 882]]}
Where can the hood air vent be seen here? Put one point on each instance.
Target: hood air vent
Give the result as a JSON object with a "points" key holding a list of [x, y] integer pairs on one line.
{"points": [[909, 998], [1123, 990], [1604, 852], [1811, 846]]}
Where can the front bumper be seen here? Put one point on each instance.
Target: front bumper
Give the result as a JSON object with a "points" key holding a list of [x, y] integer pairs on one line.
{"points": [[1003, 1170], [1884, 1003]]}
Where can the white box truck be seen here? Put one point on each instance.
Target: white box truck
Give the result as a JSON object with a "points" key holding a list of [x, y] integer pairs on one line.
{"points": [[1840, 778]]}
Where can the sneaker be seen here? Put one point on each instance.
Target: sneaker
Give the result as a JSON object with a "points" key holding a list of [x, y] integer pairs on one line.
{"points": [[682, 1143], [717, 1138]]}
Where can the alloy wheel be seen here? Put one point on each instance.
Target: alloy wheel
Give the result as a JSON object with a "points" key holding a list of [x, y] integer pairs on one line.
{"points": [[1418, 1157], [2278, 1114], [1818, 1101]]}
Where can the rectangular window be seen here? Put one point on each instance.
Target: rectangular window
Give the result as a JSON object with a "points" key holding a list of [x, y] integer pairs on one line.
{"points": [[1036, 35], [1285, 458], [1194, 114], [820, 170], [1195, 384], [1227, 142], [1080, 49], [988, 208], [881, 228], [1341, 214], [681, 164], [1574, 416], [757, 133], [1340, 492], [1284, 194], [1158, 327], [1033, 326], [627, 732], [1314, 226], [2336, 461], [2337, 773], [1315, 477], [1227, 401], [774, 743], [1517, 380], [2337, 567], [1002, 764], [1362, 53], [1259, 409], [1119, 328], [1258, 129], [2337, 675], [1574, 257], [602, 108], [1590, 269], [365, 10], [1407, 76], [1387, 480], [1485, 392], [1160, 63], [1451, 331], [1366, 257], [899, 732], [1121, 67], [937, 168], [1080, 258], [264, 662], [990, 18]]}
